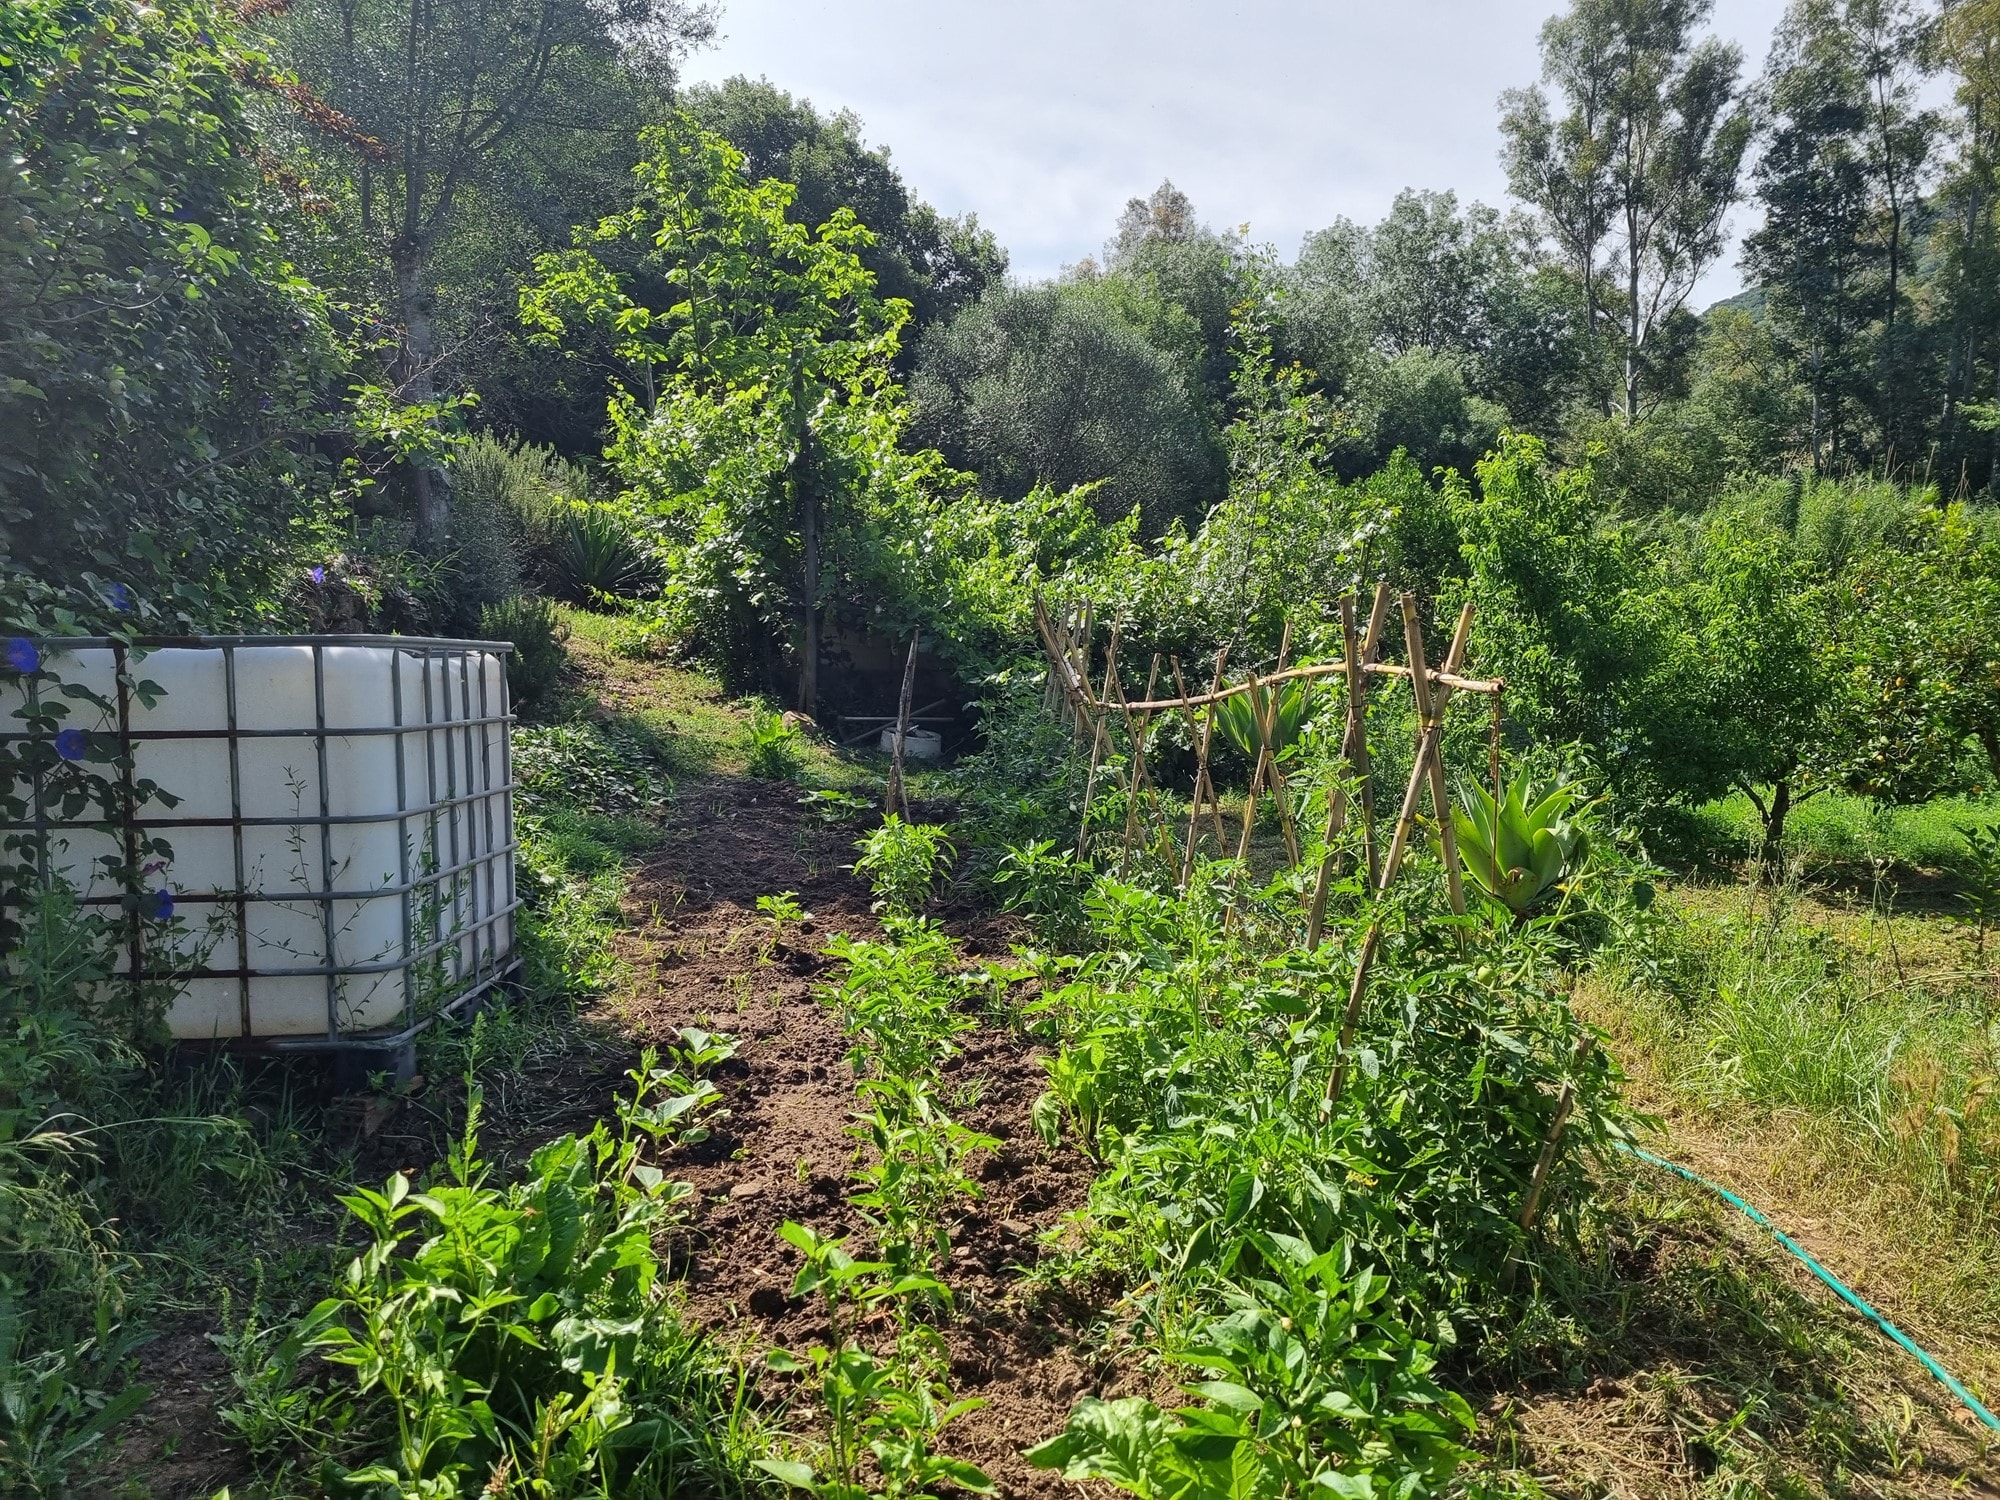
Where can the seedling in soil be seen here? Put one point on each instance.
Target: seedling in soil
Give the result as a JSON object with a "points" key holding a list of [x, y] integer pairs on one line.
{"points": [[919, 1176], [781, 913], [884, 1412]]}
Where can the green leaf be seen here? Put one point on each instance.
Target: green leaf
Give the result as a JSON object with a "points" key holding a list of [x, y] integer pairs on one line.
{"points": [[787, 1471], [1227, 1393]]}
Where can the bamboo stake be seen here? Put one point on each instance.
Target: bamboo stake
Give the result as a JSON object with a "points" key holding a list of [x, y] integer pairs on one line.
{"points": [[1453, 680], [1204, 730], [1256, 786], [1357, 991], [896, 796], [1080, 649], [1356, 748], [1565, 1101], [1137, 732], [1431, 711], [1097, 742], [1427, 743], [1336, 798], [1280, 785]]}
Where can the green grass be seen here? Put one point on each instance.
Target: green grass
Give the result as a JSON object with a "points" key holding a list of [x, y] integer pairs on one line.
{"points": [[1834, 833], [1861, 1045]]}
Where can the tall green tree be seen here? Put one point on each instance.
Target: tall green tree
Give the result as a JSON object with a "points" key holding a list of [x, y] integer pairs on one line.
{"points": [[449, 104], [935, 262], [1069, 383], [1815, 255], [1634, 179], [764, 360]]}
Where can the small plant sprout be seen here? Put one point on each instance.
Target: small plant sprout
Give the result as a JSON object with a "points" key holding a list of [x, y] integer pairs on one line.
{"points": [[1981, 893], [884, 1412], [780, 913]]}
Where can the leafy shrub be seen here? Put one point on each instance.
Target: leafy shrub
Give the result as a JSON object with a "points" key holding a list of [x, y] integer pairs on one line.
{"points": [[522, 1330], [1982, 879], [902, 862], [1025, 782], [165, 369], [473, 565], [603, 768], [538, 633], [1319, 1388], [774, 747], [885, 1412], [1046, 885], [896, 1000]]}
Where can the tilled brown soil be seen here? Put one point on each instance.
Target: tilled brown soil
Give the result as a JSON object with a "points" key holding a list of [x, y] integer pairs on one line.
{"points": [[702, 956]]}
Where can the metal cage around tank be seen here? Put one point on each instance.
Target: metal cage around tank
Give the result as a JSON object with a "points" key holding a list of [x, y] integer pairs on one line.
{"points": [[425, 797]]}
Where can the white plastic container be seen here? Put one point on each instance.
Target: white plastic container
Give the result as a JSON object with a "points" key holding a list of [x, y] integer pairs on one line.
{"points": [[343, 840], [918, 744]]}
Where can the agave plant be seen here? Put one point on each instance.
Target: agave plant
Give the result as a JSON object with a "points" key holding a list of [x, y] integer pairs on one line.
{"points": [[594, 554], [1521, 850], [1241, 716]]}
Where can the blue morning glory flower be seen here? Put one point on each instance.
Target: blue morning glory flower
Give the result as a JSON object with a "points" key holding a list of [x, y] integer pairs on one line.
{"points": [[122, 598], [71, 745], [157, 906], [316, 573], [22, 655]]}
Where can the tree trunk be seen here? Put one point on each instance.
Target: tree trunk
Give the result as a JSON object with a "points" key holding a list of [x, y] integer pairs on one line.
{"points": [[806, 499], [416, 384], [1773, 855], [1993, 473], [1990, 738], [1632, 327], [1816, 380]]}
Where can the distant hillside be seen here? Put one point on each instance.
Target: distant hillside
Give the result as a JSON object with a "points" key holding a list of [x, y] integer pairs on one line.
{"points": [[1751, 300]]}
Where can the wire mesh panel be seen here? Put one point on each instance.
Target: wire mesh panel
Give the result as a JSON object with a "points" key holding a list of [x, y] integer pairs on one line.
{"points": [[339, 810]]}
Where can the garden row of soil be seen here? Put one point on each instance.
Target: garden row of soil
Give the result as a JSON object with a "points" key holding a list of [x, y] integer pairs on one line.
{"points": [[701, 956]]}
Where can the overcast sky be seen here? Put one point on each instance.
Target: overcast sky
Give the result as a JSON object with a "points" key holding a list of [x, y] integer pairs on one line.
{"points": [[1044, 116]]}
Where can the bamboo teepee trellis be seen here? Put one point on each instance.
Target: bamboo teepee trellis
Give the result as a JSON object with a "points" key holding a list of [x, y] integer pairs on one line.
{"points": [[1068, 638]]}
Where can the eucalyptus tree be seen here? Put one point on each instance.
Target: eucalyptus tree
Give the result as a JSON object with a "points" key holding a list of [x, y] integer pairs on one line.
{"points": [[1820, 266], [1635, 177], [444, 103]]}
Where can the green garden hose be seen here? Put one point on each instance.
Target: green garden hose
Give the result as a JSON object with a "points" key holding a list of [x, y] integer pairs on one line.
{"points": [[1847, 1295]]}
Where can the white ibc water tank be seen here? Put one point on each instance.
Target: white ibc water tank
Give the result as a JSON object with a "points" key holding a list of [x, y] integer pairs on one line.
{"points": [[343, 836]]}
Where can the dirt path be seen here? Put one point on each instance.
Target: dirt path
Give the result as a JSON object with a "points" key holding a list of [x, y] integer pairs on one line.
{"points": [[700, 955]]}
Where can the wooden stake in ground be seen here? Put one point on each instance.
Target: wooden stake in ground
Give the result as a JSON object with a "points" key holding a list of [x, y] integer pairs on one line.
{"points": [[895, 799], [1100, 711], [1420, 776], [1336, 797], [1203, 729], [1565, 1101], [1430, 710], [1135, 730], [1357, 728]]}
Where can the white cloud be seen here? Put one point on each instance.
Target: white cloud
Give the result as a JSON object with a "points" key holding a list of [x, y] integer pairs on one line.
{"points": [[1045, 117]]}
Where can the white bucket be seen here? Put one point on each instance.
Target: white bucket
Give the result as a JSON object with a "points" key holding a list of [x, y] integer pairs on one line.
{"points": [[918, 744]]}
